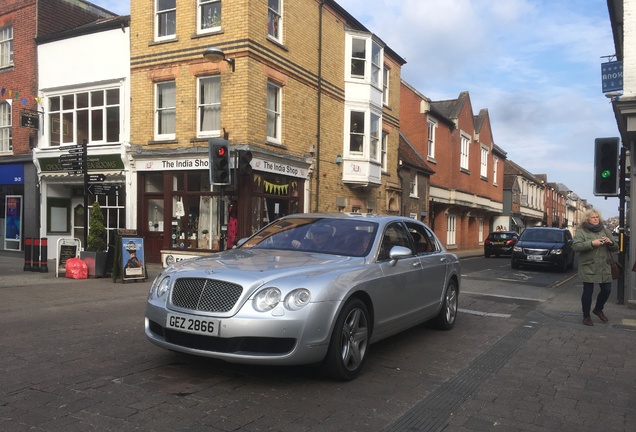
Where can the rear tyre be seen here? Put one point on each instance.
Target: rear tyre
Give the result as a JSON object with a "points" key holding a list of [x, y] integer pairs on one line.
{"points": [[445, 320], [487, 255], [349, 342]]}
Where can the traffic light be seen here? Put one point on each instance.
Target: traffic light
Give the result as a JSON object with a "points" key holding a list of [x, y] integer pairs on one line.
{"points": [[244, 162], [219, 162], [606, 165]]}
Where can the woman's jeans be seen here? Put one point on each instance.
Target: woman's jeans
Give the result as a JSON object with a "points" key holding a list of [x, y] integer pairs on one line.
{"points": [[586, 298]]}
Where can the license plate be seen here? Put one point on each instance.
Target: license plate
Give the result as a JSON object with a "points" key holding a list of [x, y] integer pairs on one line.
{"points": [[535, 258], [202, 326], [499, 243]]}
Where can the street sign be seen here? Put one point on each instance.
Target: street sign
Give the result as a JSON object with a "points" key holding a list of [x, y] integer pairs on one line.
{"points": [[73, 167], [72, 147], [70, 158], [103, 189], [76, 171], [96, 178], [76, 150]]}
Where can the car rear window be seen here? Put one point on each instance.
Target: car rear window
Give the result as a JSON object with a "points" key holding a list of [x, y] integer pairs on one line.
{"points": [[542, 236], [502, 236]]}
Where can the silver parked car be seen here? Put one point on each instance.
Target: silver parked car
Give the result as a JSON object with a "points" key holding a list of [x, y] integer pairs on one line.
{"points": [[307, 289]]}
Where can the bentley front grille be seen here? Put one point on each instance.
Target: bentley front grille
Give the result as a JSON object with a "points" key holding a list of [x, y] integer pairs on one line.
{"points": [[207, 295]]}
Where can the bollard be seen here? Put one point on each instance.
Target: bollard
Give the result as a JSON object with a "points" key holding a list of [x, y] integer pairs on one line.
{"points": [[28, 254], [44, 261], [36, 257]]}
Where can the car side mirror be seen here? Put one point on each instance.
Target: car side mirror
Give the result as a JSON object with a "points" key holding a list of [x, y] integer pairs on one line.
{"points": [[399, 252]]}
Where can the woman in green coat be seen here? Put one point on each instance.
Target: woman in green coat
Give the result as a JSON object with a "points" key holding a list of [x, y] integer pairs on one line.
{"points": [[594, 243]]}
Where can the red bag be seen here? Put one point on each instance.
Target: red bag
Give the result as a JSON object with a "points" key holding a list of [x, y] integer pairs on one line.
{"points": [[76, 269]]}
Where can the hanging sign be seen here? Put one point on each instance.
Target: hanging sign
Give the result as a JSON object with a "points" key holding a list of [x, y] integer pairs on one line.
{"points": [[30, 119]]}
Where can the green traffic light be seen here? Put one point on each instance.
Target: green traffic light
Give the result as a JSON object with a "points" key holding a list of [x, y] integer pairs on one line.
{"points": [[606, 173]]}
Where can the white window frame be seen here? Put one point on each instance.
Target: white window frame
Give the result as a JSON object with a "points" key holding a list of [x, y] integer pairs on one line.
{"points": [[76, 111], [165, 14], [451, 229], [483, 171], [432, 129], [358, 58], [481, 231], [495, 168], [372, 145], [6, 46], [163, 108], [385, 85], [206, 103], [370, 62], [376, 65], [275, 20], [273, 108], [6, 131], [354, 130], [385, 145], [414, 185], [375, 135], [464, 152], [212, 22]]}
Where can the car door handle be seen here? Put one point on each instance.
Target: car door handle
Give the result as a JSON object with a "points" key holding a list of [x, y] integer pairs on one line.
{"points": [[417, 264]]}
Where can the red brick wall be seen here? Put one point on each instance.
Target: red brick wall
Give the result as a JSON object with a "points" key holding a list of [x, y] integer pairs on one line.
{"points": [[20, 81]]}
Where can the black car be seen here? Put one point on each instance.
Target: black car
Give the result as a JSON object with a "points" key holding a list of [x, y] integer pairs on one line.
{"points": [[500, 243], [548, 247]]}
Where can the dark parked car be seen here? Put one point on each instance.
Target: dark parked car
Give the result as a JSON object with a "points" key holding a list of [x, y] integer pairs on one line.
{"points": [[500, 243], [539, 246], [307, 289]]}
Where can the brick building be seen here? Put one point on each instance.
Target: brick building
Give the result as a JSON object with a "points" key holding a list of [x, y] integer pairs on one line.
{"points": [[301, 85], [466, 189], [21, 23]]}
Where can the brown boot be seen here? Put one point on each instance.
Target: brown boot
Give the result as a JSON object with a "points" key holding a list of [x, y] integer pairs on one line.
{"points": [[588, 321], [600, 315]]}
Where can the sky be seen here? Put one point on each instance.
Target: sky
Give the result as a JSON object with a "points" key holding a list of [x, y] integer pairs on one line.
{"points": [[534, 64]]}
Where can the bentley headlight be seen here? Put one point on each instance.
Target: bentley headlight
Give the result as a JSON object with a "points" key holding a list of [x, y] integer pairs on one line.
{"points": [[297, 299], [160, 286], [517, 249], [267, 299]]}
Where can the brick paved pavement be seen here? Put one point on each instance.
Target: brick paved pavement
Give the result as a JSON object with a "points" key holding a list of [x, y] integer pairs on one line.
{"points": [[74, 358]]}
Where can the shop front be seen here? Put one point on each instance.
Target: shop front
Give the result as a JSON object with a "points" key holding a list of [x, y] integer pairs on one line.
{"points": [[11, 206], [182, 215], [63, 213]]}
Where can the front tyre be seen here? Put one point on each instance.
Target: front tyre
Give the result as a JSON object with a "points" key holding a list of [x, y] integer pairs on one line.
{"points": [[445, 320], [349, 342]]}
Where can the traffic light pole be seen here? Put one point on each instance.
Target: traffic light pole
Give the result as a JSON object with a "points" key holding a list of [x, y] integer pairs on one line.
{"points": [[620, 283]]}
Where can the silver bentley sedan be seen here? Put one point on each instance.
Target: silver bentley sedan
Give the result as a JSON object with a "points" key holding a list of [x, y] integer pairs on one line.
{"points": [[307, 289]]}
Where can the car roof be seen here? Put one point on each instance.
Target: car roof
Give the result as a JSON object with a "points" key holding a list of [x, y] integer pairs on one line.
{"points": [[371, 217]]}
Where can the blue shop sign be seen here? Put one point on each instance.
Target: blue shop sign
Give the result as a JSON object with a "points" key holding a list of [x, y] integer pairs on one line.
{"points": [[11, 174], [612, 76]]}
